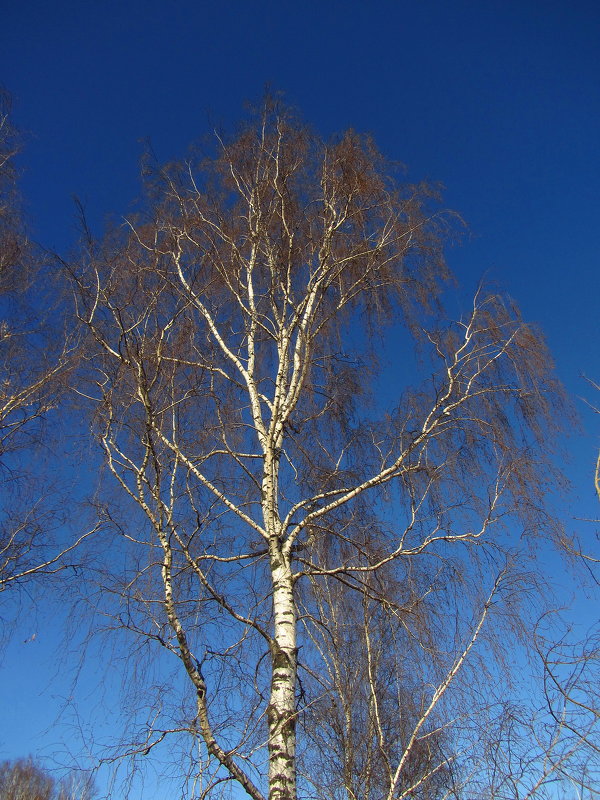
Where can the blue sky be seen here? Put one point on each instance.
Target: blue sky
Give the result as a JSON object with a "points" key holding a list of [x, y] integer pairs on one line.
{"points": [[499, 101]]}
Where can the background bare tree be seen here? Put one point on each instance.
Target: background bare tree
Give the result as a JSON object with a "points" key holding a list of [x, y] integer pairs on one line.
{"points": [[367, 667], [24, 779], [570, 657], [332, 493], [35, 359]]}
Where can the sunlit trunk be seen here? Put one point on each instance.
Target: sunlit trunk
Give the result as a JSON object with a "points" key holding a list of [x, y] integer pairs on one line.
{"points": [[281, 711]]}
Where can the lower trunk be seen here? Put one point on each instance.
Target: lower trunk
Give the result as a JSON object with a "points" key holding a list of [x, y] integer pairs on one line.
{"points": [[281, 712]]}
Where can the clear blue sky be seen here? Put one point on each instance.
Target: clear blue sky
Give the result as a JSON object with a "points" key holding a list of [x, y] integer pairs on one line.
{"points": [[500, 101]]}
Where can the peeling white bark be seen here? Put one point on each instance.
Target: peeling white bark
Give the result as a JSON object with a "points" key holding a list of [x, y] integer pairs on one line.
{"points": [[281, 712]]}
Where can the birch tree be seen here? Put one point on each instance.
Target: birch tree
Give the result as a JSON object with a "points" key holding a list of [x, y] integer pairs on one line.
{"points": [[287, 409]]}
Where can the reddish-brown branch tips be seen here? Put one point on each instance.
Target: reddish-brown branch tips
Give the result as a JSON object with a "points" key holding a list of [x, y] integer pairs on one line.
{"points": [[332, 483]]}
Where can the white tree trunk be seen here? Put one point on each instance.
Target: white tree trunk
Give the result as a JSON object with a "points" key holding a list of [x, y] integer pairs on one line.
{"points": [[281, 712]]}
